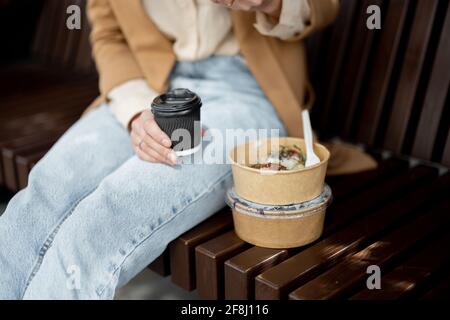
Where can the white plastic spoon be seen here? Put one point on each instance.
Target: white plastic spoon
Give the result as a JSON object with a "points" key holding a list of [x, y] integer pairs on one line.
{"points": [[311, 157]]}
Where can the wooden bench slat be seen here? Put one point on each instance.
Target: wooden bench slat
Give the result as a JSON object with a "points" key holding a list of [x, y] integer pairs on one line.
{"points": [[17, 106], [355, 72], [349, 185], [44, 128], [42, 41], [382, 67], [182, 250], [408, 83], [46, 118], [39, 82], [328, 84], [162, 264], [276, 282], [24, 164], [18, 141], [306, 264], [58, 31], [9, 154], [350, 274], [241, 270], [438, 88], [446, 156], [62, 34], [34, 79], [441, 291], [209, 259], [377, 196], [10, 151], [410, 275], [45, 121]]}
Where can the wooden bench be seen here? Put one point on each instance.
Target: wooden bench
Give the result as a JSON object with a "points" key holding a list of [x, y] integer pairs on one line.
{"points": [[385, 90]]}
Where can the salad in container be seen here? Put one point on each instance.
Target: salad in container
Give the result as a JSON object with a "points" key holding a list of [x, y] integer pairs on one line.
{"points": [[273, 171]]}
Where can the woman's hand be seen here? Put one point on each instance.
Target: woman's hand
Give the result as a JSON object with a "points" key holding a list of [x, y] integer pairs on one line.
{"points": [[149, 141], [269, 7]]}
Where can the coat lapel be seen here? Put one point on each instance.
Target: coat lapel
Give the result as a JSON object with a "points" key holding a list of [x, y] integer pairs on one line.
{"points": [[264, 66]]}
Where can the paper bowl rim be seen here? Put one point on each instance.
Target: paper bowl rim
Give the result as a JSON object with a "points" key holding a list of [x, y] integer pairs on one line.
{"points": [[273, 172]]}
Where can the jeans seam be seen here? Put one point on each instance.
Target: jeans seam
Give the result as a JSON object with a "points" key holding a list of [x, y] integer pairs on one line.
{"points": [[49, 240], [217, 182]]}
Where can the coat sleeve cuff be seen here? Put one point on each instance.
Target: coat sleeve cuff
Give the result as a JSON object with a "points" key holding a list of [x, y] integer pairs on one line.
{"points": [[295, 15], [129, 99]]}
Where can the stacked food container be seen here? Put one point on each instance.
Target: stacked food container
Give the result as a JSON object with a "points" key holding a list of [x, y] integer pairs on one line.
{"points": [[278, 209]]}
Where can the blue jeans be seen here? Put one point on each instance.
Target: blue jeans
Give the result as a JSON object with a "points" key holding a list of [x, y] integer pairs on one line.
{"points": [[94, 215]]}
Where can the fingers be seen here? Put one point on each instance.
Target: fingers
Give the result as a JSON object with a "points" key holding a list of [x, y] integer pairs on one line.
{"points": [[157, 151], [153, 130], [145, 144], [148, 150], [145, 157], [150, 142]]}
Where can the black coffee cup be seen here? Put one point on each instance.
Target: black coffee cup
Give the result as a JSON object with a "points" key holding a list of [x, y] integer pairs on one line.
{"points": [[177, 113]]}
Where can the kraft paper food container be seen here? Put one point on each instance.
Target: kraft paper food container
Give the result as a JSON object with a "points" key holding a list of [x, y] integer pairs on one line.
{"points": [[276, 187], [279, 227]]}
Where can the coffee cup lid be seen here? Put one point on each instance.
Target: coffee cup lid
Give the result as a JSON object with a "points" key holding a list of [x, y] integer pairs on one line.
{"points": [[176, 100]]}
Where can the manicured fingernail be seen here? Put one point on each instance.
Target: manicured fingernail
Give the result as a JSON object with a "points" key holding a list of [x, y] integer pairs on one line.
{"points": [[173, 157], [167, 142]]}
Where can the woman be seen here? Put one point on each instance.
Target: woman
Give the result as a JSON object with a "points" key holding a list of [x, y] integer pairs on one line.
{"points": [[108, 197]]}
